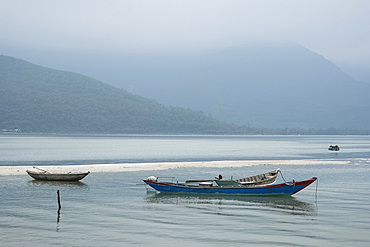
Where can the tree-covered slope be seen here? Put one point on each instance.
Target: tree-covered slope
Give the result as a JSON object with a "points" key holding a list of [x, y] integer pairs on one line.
{"points": [[39, 99]]}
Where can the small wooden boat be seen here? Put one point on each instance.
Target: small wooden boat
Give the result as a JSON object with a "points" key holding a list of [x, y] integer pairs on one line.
{"points": [[265, 178], [287, 188], [56, 176], [333, 148]]}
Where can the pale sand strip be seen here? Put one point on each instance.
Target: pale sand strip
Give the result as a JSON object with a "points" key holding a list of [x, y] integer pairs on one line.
{"points": [[21, 170]]}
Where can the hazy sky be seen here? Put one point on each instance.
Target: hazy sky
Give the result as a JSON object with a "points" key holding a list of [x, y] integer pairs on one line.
{"points": [[336, 29]]}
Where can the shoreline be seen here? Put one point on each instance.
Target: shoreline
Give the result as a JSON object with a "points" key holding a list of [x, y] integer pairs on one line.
{"points": [[128, 167]]}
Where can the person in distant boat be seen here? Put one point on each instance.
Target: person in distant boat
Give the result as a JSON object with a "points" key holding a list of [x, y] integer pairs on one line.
{"points": [[219, 177]]}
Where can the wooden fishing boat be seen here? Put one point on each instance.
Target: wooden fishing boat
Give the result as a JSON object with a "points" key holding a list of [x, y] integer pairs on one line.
{"points": [[286, 188], [265, 178], [56, 176]]}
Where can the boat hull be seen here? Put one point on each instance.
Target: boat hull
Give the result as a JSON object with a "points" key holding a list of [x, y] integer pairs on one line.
{"points": [[57, 176], [277, 189]]}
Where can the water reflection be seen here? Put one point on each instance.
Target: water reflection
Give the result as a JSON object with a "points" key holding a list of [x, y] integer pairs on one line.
{"points": [[286, 204], [58, 220], [74, 184]]}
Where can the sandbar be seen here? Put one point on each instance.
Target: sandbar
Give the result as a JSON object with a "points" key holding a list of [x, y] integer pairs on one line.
{"points": [[126, 167]]}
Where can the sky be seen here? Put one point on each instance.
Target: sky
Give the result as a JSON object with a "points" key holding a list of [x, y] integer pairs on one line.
{"points": [[339, 30]]}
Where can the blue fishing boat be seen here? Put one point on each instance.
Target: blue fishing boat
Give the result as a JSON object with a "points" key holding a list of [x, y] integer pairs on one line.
{"points": [[286, 188]]}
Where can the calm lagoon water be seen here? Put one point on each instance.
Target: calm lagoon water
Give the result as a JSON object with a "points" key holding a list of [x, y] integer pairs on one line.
{"points": [[113, 209], [75, 150]]}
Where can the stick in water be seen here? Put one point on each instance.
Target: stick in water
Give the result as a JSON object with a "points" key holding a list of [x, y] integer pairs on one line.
{"points": [[59, 201], [59, 207]]}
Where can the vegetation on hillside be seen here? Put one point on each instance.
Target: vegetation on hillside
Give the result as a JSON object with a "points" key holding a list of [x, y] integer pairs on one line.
{"points": [[35, 99], [38, 99]]}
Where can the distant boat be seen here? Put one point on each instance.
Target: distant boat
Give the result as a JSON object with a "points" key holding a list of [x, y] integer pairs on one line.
{"points": [[56, 176], [333, 148], [207, 187]]}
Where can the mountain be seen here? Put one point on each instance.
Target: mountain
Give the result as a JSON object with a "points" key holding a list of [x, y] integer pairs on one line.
{"points": [[40, 99], [261, 86], [271, 86]]}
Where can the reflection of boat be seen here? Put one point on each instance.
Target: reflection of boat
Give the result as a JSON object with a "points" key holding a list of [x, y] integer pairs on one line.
{"points": [[281, 203], [333, 148], [74, 184], [56, 176], [289, 188]]}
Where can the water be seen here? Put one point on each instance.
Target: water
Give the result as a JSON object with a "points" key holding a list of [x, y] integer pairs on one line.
{"points": [[111, 209], [54, 150]]}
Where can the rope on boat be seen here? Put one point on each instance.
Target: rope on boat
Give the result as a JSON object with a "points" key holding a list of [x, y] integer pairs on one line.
{"points": [[281, 174], [317, 183], [287, 183], [41, 169]]}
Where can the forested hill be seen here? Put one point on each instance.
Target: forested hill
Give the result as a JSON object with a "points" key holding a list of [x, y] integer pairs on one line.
{"points": [[39, 99]]}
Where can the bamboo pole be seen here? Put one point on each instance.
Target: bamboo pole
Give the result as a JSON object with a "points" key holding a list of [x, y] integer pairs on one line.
{"points": [[59, 207]]}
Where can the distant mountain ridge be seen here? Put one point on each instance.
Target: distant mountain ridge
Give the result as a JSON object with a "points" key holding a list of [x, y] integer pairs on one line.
{"points": [[264, 86], [40, 99], [268, 88]]}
